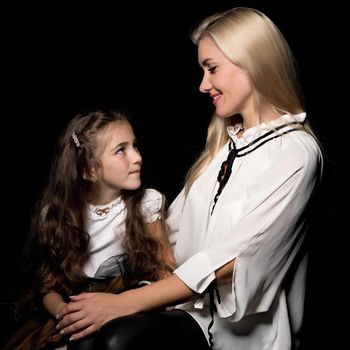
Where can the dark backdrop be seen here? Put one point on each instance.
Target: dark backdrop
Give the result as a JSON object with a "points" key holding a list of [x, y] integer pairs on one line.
{"points": [[59, 60]]}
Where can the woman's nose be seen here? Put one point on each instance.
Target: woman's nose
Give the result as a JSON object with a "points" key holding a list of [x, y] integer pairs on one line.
{"points": [[205, 86]]}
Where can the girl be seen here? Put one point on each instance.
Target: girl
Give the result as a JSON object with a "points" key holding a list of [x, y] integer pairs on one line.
{"points": [[95, 228], [241, 221]]}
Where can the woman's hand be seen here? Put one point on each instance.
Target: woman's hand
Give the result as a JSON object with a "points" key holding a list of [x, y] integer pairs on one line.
{"points": [[87, 312]]}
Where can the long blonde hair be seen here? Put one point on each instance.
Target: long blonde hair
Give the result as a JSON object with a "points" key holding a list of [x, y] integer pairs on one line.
{"points": [[254, 43]]}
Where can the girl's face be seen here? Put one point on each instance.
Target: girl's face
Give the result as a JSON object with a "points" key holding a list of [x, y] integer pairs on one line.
{"points": [[228, 85], [120, 162]]}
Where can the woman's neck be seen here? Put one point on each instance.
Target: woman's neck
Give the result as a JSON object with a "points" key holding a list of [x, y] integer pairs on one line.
{"points": [[264, 115]]}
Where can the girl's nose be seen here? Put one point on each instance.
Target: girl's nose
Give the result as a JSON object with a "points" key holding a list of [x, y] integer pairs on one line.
{"points": [[136, 156]]}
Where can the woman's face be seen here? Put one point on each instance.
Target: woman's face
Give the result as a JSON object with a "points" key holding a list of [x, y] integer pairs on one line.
{"points": [[228, 85]]}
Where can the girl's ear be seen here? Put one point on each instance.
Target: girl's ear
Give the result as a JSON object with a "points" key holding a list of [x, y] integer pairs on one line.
{"points": [[90, 175]]}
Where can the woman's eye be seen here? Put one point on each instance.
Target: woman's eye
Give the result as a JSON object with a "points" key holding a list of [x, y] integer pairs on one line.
{"points": [[212, 69]]}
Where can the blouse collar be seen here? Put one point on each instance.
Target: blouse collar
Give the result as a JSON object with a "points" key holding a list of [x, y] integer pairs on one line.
{"points": [[100, 212], [252, 133]]}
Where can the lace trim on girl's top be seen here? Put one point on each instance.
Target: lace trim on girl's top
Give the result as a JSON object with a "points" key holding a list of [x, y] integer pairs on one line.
{"points": [[151, 205], [100, 212]]}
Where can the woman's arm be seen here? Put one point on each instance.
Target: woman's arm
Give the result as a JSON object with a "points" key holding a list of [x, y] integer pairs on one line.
{"points": [[89, 311], [224, 273]]}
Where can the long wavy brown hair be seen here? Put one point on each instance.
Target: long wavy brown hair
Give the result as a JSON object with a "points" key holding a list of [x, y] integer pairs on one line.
{"points": [[58, 244]]}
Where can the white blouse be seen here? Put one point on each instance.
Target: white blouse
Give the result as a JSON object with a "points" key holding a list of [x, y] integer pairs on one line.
{"points": [[259, 220], [106, 226]]}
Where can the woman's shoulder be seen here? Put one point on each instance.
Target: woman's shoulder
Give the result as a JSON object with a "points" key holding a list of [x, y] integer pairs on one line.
{"points": [[294, 153], [301, 146]]}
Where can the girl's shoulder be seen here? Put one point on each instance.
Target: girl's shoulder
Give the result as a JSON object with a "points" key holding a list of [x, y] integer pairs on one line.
{"points": [[151, 205], [151, 194]]}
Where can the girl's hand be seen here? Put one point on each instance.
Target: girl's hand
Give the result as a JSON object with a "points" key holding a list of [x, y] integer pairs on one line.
{"points": [[53, 303]]}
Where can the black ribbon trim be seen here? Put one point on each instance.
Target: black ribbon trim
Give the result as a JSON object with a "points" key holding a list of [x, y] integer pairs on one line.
{"points": [[226, 166]]}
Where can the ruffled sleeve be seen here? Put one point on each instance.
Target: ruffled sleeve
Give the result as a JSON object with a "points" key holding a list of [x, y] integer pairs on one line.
{"points": [[151, 205]]}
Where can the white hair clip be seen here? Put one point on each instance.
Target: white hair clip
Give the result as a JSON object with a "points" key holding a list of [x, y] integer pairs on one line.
{"points": [[75, 139]]}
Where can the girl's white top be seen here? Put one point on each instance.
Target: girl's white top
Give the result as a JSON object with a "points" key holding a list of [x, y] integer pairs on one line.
{"points": [[259, 220], [107, 230]]}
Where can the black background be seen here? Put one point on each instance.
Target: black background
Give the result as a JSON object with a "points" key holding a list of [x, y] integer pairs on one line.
{"points": [[60, 60]]}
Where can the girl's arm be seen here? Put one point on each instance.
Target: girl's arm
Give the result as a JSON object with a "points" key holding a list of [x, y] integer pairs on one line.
{"points": [[53, 303]]}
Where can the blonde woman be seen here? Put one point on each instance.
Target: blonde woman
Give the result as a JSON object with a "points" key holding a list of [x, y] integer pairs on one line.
{"points": [[241, 220]]}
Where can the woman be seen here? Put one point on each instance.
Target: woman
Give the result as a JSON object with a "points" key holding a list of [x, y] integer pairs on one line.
{"points": [[241, 220]]}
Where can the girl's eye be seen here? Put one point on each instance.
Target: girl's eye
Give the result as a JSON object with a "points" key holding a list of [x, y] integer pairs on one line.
{"points": [[212, 70], [120, 150], [135, 146]]}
